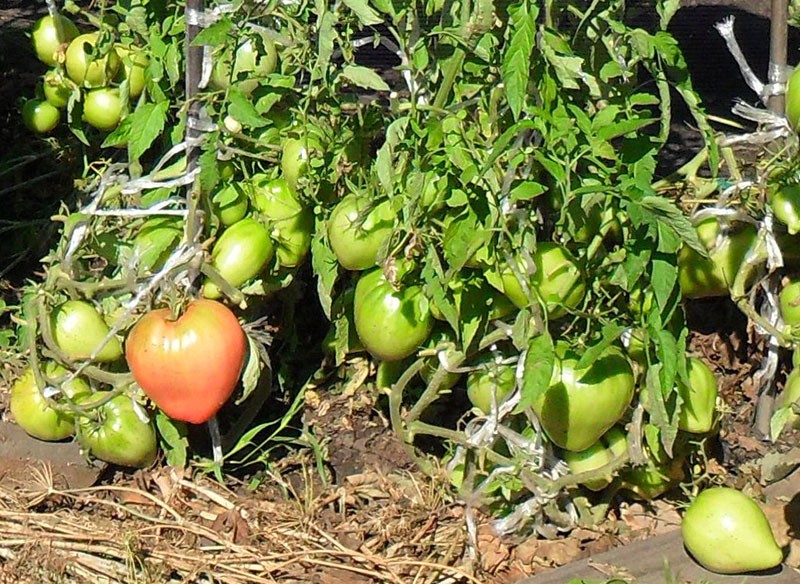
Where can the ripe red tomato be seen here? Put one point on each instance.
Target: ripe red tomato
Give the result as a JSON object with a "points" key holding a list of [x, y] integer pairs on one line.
{"points": [[190, 366]]}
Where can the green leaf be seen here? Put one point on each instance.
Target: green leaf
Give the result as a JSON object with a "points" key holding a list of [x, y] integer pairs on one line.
{"points": [[610, 333], [214, 35], [364, 77], [251, 374], [326, 268], [209, 170], [780, 418], [384, 162], [366, 15], [244, 111], [663, 280], [517, 58], [174, 440], [540, 360], [146, 124], [664, 212], [326, 36], [623, 127]]}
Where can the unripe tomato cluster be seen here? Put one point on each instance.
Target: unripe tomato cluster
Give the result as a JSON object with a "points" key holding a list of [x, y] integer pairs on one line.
{"points": [[88, 69]]}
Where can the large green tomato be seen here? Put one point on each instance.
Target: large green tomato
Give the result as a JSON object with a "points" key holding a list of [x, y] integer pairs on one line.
{"points": [[699, 398], [789, 299], [391, 323], [295, 154], [580, 405], [156, 240], [102, 108], [85, 71], [40, 116], [713, 276], [793, 99], [78, 330], [357, 231], [46, 41], [611, 446], [728, 533], [491, 381], [292, 222], [115, 433], [241, 252], [230, 203], [256, 57], [785, 205], [32, 411]]}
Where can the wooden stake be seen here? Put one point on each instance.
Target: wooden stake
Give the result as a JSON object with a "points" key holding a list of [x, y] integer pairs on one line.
{"points": [[779, 31]]}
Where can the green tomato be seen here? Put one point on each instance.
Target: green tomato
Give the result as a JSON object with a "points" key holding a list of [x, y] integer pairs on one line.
{"points": [[391, 323], [713, 276], [86, 72], [356, 231], [31, 409], [790, 395], [443, 340], [491, 381], [785, 205], [79, 329], [45, 38], [57, 89], [230, 203], [793, 99], [256, 57], [653, 479], [789, 299], [40, 116], [240, 254], [699, 398], [728, 533], [295, 154], [134, 67], [292, 222], [611, 446], [156, 240], [102, 108], [115, 433], [580, 405]]}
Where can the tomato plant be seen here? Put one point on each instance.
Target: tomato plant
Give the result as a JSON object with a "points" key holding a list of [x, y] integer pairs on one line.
{"points": [[392, 323], [188, 366], [291, 221], [78, 330], [40, 116], [114, 432], [102, 108], [46, 40], [720, 524], [240, 254], [87, 69], [581, 404], [356, 231], [34, 414]]}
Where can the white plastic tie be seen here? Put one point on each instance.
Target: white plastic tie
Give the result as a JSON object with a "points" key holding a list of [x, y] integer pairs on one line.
{"points": [[725, 29]]}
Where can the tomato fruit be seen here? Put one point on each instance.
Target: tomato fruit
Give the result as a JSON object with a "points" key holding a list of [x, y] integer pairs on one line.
{"points": [[728, 533], [790, 395], [294, 157], [240, 254], [46, 41], [391, 323], [114, 432], [256, 56], [580, 405], [611, 446], [134, 67], [34, 414], [85, 71], [190, 366], [654, 478], [785, 205], [102, 108], [442, 340], [713, 276], [40, 116], [78, 329], [292, 222], [357, 231], [155, 241], [57, 89], [793, 98], [699, 398], [490, 381], [230, 203], [789, 299]]}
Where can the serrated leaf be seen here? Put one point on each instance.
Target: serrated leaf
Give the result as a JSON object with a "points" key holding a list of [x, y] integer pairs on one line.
{"points": [[326, 269], [516, 65], [325, 43], [662, 211], [251, 373], [214, 35], [366, 15], [244, 111], [384, 161], [623, 127], [610, 333], [174, 440], [663, 280], [209, 170], [537, 370], [146, 124], [364, 77]]}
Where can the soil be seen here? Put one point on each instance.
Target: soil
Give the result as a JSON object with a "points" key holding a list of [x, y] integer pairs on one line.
{"points": [[351, 506]]}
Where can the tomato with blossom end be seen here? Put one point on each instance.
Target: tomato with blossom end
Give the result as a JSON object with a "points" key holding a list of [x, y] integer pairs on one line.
{"points": [[102, 108], [240, 254], [190, 365], [45, 37], [357, 230], [86, 71]]}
